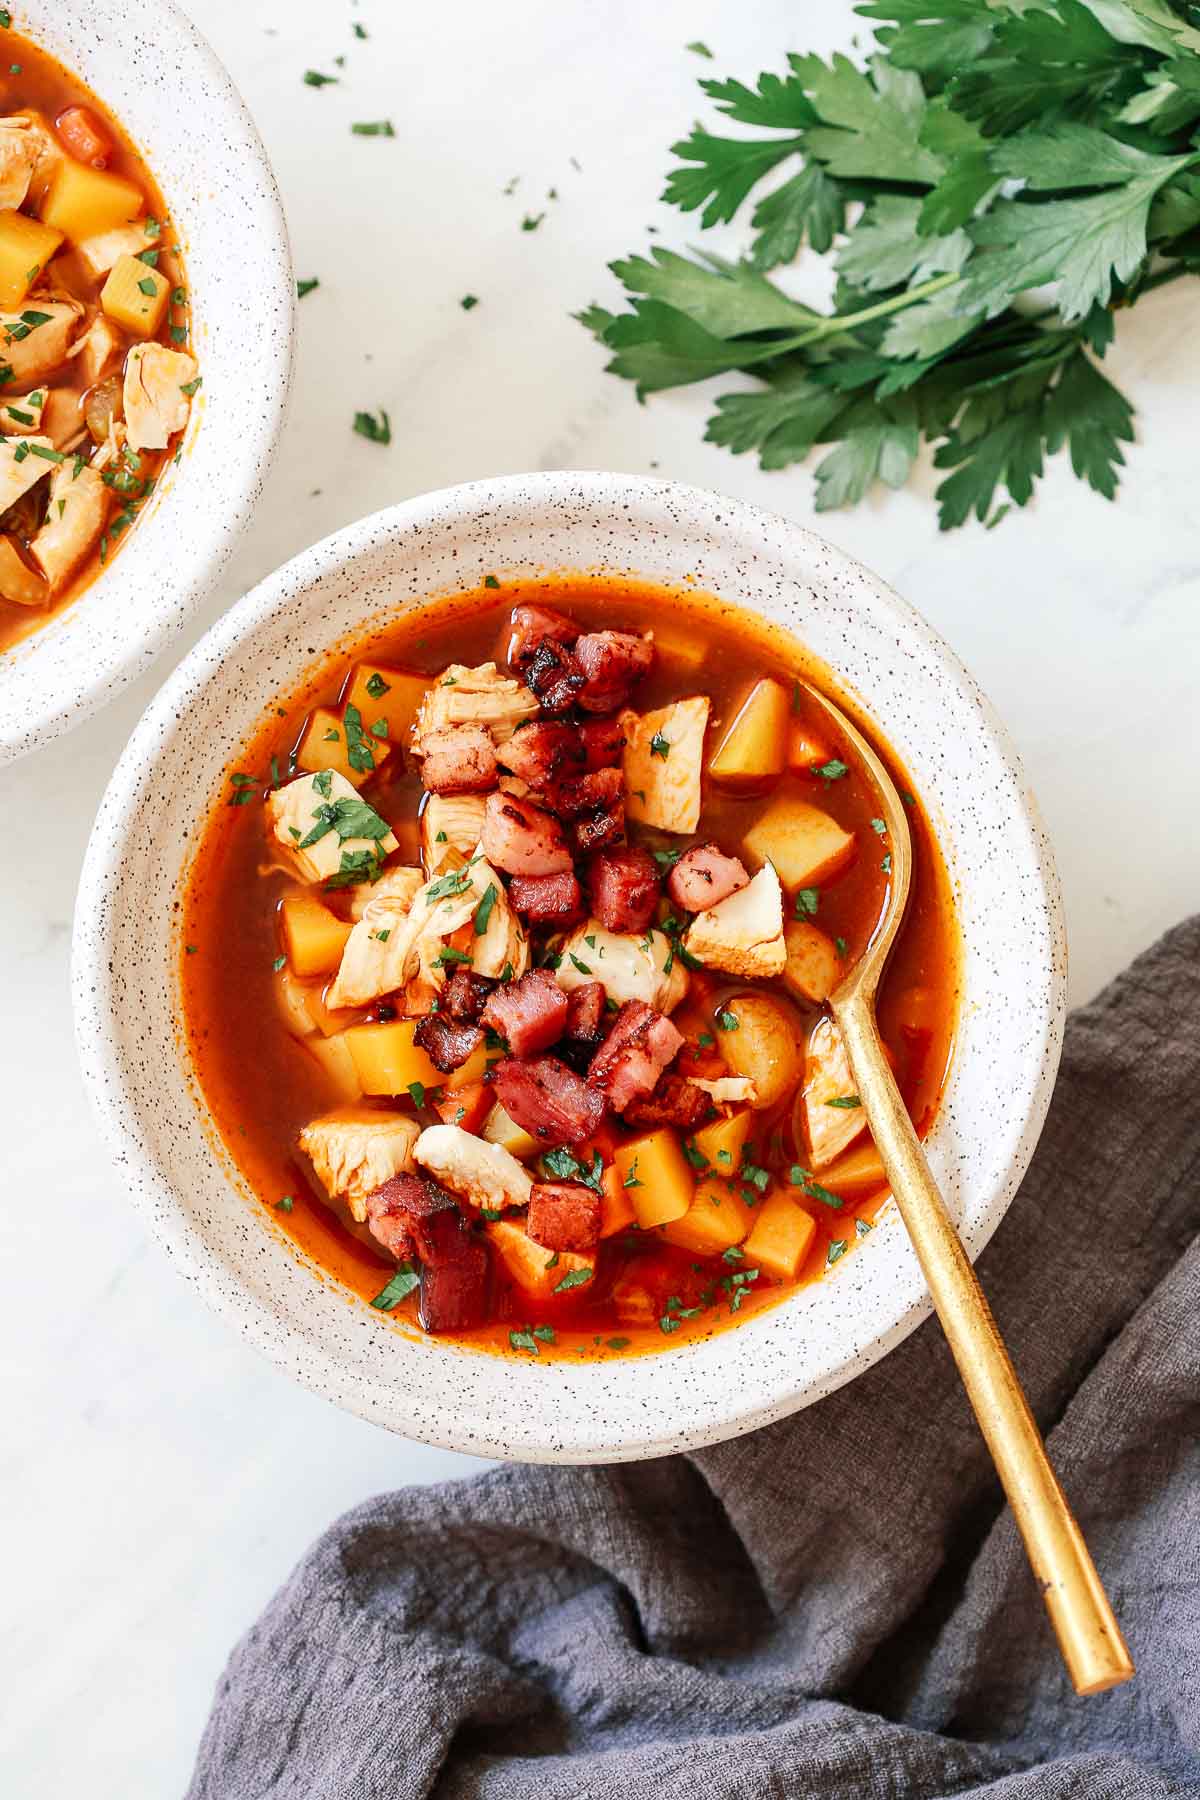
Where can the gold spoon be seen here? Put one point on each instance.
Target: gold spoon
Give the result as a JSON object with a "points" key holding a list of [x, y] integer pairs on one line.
{"points": [[1088, 1634]]}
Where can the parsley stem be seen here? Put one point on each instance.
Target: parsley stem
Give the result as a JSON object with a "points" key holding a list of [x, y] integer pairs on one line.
{"points": [[844, 322]]}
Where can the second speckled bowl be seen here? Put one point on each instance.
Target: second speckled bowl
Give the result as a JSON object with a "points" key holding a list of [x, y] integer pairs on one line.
{"points": [[126, 958]]}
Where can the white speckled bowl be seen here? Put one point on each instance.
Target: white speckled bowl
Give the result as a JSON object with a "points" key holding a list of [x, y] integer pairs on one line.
{"points": [[126, 957], [151, 67]]}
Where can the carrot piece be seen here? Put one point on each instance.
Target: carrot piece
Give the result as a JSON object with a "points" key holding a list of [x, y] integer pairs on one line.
{"points": [[616, 1207], [465, 1106], [84, 137]]}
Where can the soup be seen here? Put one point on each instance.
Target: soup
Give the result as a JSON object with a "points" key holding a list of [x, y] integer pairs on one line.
{"points": [[96, 376], [505, 968]]}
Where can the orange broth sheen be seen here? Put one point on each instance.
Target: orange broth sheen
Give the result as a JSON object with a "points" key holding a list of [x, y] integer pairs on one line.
{"points": [[261, 1087]]}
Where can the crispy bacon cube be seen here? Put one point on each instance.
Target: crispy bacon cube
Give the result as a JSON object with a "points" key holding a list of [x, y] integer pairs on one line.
{"points": [[624, 888], [530, 1013], [446, 1042], [547, 899], [704, 876], [458, 759], [609, 664], [563, 1215], [548, 1100], [634, 1054]]}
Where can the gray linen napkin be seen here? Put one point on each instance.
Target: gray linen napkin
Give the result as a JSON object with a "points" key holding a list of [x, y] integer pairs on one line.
{"points": [[837, 1605]]}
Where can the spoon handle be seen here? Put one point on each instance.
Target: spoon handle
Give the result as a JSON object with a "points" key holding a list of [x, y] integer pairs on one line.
{"points": [[1088, 1634]]}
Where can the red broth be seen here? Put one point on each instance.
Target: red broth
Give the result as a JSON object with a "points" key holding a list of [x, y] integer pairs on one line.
{"points": [[264, 1084], [96, 375]]}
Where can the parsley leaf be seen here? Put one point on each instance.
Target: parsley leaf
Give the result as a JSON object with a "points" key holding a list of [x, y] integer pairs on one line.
{"points": [[398, 1288]]}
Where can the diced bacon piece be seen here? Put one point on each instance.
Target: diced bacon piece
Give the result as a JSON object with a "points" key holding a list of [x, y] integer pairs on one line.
{"points": [[634, 1054], [522, 839], [610, 663], [703, 876], [465, 996], [599, 829], [548, 1100], [675, 1101], [585, 1014], [563, 1215], [393, 1209], [534, 625], [467, 1107], [544, 752], [454, 1272], [550, 673], [603, 741], [447, 1043], [84, 136], [624, 888], [547, 899], [530, 1013], [458, 759], [577, 794]]}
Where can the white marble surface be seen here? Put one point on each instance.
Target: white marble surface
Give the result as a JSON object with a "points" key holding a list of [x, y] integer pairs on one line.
{"points": [[158, 1480]]}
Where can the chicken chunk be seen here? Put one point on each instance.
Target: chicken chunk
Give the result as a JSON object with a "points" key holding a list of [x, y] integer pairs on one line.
{"points": [[397, 885], [96, 349], [450, 822], [728, 1090], [480, 1173], [631, 968], [18, 155], [99, 253], [743, 935], [458, 759], [75, 516], [23, 461], [156, 404], [23, 413], [663, 760], [356, 1149], [832, 1119], [35, 341], [478, 696], [297, 809]]}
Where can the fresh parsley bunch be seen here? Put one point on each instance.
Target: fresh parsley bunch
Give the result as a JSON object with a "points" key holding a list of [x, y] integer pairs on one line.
{"points": [[990, 147]]}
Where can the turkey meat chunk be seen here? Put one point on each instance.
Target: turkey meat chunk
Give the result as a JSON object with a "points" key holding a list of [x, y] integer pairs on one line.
{"points": [[663, 760], [480, 1173], [32, 351], [295, 809], [631, 967], [354, 1150], [450, 822], [474, 696], [75, 515], [743, 935], [156, 406]]}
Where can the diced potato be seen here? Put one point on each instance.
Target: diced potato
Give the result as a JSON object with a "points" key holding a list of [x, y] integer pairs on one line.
{"points": [[387, 1060], [80, 203], [754, 747], [767, 1045], [26, 246], [473, 1070], [536, 1270], [335, 1059], [832, 1119], [805, 844], [722, 1142], [717, 1219], [313, 936], [135, 296], [616, 1205], [467, 1107], [328, 1020], [780, 1237], [18, 582], [324, 746], [659, 1180], [680, 648], [806, 748], [23, 413], [813, 968], [380, 692], [860, 1171], [293, 997], [663, 760], [499, 1129]]}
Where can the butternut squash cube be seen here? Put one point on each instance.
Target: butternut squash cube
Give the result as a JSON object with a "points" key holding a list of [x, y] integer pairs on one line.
{"points": [[26, 246], [313, 936], [717, 1219], [806, 748], [393, 695], [324, 746], [616, 1205], [335, 1059], [536, 1270], [805, 844], [813, 968], [859, 1171], [780, 1237], [82, 202], [387, 1060], [135, 296], [721, 1143], [754, 747], [473, 1070], [679, 647], [655, 1175], [499, 1128], [328, 1020]]}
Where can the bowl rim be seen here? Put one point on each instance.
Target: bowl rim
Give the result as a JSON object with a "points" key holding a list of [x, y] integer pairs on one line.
{"points": [[93, 951], [38, 717]]}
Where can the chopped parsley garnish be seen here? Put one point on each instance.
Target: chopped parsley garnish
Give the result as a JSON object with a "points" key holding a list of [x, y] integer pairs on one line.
{"points": [[307, 287], [706, 1040], [886, 864], [660, 746], [147, 287], [356, 866], [468, 301], [837, 1250], [666, 859], [581, 966], [449, 886], [565, 1166], [379, 728], [314, 78], [807, 902], [285, 1205], [490, 581], [448, 955], [734, 1254], [398, 1288], [879, 825], [375, 430], [839, 944], [416, 1092], [191, 387], [618, 1343], [348, 816], [832, 770], [861, 1227], [360, 31], [529, 1339], [696, 1157], [358, 751], [377, 687], [531, 221], [699, 49], [490, 1213], [244, 787], [572, 1279], [846, 1101], [374, 128], [728, 1021], [483, 911], [802, 1179], [279, 963]]}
